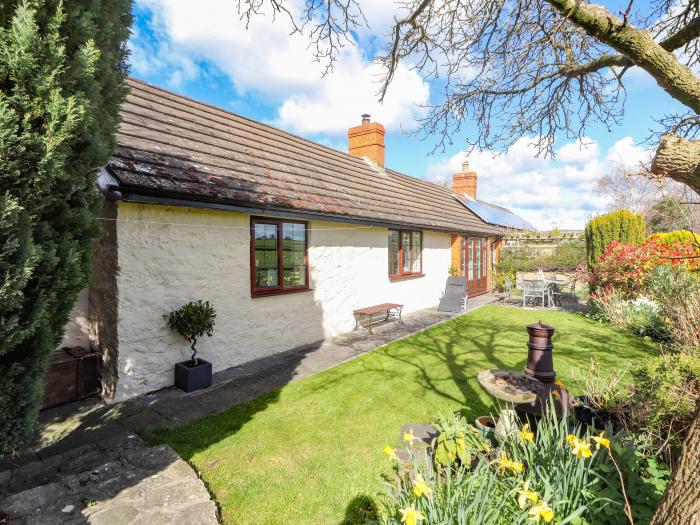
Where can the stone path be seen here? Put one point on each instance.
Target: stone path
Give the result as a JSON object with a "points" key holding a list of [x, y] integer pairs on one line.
{"points": [[47, 464]]}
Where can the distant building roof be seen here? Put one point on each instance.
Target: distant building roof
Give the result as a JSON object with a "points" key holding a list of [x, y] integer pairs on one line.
{"points": [[496, 215], [172, 147]]}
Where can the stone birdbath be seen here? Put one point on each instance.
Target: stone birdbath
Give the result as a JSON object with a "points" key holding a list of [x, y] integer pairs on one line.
{"points": [[514, 388]]}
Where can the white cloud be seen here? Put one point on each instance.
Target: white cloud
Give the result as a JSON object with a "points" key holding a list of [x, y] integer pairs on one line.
{"points": [[545, 192], [264, 59], [578, 152]]}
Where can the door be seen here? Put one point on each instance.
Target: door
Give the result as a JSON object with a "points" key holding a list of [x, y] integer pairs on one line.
{"points": [[475, 259]]}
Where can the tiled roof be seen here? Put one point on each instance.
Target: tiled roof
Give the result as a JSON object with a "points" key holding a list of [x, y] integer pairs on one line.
{"points": [[173, 146]]}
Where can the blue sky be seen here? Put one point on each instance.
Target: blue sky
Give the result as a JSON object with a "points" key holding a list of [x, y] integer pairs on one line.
{"points": [[201, 49]]}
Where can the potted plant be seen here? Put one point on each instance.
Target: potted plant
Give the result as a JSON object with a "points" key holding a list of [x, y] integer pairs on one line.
{"points": [[192, 321]]}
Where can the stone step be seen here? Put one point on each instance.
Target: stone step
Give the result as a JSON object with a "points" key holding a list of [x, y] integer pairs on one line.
{"points": [[55, 467], [127, 483]]}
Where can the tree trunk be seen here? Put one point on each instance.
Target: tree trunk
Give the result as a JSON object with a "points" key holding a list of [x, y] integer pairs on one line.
{"points": [[681, 502], [678, 159]]}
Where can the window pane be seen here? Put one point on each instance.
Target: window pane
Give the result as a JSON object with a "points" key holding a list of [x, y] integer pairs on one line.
{"points": [[406, 247], [470, 259], [393, 252], [415, 251], [478, 259], [265, 255], [293, 254], [462, 256]]}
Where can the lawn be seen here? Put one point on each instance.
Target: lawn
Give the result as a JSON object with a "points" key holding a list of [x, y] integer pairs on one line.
{"points": [[309, 452]]}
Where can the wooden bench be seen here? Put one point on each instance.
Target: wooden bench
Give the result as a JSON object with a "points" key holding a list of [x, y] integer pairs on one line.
{"points": [[365, 316]]}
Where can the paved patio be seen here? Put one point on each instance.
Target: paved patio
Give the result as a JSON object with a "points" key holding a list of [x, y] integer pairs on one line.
{"points": [[68, 434]]}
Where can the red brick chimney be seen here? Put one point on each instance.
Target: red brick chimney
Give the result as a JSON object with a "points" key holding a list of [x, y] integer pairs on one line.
{"points": [[464, 182], [367, 140]]}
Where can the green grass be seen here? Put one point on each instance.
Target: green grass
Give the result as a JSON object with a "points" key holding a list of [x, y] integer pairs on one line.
{"points": [[311, 452]]}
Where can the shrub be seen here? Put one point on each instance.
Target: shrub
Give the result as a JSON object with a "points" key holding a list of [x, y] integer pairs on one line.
{"points": [[621, 225], [678, 293], [664, 394], [192, 321], [499, 278], [677, 237], [627, 268], [547, 476], [564, 257], [62, 73]]}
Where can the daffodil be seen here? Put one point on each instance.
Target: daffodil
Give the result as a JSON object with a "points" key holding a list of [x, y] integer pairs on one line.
{"points": [[420, 487], [601, 441], [560, 383], [525, 495], [508, 464], [391, 452], [555, 394], [581, 449], [409, 436], [542, 512], [411, 516], [525, 434], [570, 439]]}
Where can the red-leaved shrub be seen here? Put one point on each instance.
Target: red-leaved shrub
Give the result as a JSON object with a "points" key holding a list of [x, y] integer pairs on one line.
{"points": [[626, 268]]}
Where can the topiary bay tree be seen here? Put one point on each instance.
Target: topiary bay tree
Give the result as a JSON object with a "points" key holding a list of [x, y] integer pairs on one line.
{"points": [[62, 80]]}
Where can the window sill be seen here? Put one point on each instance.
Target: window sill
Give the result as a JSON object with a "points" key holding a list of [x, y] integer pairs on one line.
{"points": [[394, 278], [260, 293]]}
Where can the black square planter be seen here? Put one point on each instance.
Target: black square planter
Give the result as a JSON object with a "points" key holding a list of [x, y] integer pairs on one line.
{"points": [[190, 378]]}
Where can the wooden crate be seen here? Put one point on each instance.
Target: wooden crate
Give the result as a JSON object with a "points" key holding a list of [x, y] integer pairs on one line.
{"points": [[72, 376]]}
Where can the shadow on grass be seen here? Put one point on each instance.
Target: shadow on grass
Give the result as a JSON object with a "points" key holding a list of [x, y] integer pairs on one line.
{"points": [[443, 361]]}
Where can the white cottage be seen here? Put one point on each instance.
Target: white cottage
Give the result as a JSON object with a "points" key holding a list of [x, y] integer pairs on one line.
{"points": [[284, 236]]}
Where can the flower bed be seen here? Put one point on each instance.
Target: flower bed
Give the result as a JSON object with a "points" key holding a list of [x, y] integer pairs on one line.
{"points": [[548, 476]]}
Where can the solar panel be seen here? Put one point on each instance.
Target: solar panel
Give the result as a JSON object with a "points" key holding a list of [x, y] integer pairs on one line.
{"points": [[495, 214]]}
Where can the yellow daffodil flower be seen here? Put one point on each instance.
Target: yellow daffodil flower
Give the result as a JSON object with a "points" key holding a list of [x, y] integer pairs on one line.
{"points": [[526, 495], [570, 439], [391, 452], [560, 383], [409, 437], [581, 449], [601, 441], [525, 434], [555, 394], [508, 464], [542, 512], [420, 487], [411, 516]]}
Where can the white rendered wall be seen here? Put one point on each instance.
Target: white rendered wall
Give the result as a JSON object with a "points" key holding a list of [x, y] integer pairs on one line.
{"points": [[76, 331], [164, 266]]}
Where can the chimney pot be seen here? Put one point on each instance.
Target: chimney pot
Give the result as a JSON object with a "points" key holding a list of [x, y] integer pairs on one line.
{"points": [[365, 118], [465, 166]]}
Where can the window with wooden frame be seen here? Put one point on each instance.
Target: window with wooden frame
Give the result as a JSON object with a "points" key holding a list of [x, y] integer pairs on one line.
{"points": [[405, 253], [278, 256]]}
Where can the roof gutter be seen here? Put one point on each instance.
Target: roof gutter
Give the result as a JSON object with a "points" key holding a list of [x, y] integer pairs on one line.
{"points": [[148, 196]]}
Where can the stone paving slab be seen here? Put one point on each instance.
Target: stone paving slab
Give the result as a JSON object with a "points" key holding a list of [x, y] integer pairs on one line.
{"points": [[118, 481]]}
